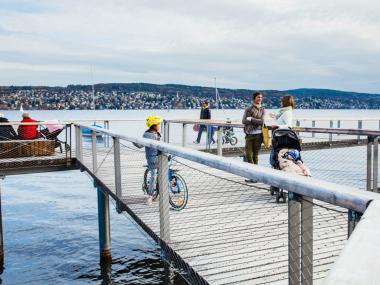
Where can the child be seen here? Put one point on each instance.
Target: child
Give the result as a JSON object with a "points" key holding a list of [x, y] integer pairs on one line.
{"points": [[153, 123], [290, 161]]}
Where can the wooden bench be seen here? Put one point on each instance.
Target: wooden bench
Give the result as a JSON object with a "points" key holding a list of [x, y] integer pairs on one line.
{"points": [[26, 148]]}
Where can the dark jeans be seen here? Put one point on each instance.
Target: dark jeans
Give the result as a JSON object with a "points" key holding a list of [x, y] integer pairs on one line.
{"points": [[252, 147], [210, 132]]}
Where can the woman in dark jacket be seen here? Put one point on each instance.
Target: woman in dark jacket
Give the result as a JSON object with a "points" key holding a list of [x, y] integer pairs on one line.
{"points": [[205, 115], [6, 131]]}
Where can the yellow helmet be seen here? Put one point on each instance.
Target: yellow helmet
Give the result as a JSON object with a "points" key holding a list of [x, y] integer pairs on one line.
{"points": [[153, 120]]}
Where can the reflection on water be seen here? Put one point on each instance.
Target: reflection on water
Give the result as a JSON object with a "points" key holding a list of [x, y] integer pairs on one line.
{"points": [[51, 236]]}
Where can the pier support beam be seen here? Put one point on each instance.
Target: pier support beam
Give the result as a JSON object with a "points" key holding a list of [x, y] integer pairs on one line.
{"points": [[104, 224]]}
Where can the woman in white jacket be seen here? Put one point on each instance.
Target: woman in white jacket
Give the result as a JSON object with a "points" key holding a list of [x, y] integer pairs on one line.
{"points": [[284, 116]]}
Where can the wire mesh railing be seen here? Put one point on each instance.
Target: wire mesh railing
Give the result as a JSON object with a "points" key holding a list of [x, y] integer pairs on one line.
{"points": [[342, 155], [35, 145], [228, 231]]}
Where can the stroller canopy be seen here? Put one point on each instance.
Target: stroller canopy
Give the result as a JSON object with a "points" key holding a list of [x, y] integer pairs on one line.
{"points": [[285, 138]]}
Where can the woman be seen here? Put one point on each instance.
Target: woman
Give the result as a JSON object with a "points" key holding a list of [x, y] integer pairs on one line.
{"points": [[284, 116], [253, 120]]}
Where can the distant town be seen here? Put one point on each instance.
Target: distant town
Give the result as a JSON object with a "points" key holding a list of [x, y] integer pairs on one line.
{"points": [[171, 96]]}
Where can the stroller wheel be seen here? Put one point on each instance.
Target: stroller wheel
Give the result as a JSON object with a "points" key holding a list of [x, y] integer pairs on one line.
{"points": [[278, 197], [272, 190]]}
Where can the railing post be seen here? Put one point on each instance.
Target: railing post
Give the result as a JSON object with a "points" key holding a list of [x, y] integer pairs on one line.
{"points": [[94, 153], [1, 233], [106, 124], [353, 220], [313, 126], [307, 241], [166, 132], [360, 126], [294, 239], [104, 224], [118, 189], [220, 141], [184, 134], [331, 126], [369, 163], [375, 168], [78, 142], [163, 183]]}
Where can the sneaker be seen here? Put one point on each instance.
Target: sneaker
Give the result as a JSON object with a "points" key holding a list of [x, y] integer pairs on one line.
{"points": [[250, 181], [149, 200], [196, 142]]}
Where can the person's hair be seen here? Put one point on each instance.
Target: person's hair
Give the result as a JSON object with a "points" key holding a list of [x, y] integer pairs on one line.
{"points": [[255, 94], [25, 115], [205, 102], [287, 101]]}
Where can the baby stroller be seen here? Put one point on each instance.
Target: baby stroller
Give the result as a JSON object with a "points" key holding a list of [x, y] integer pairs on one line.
{"points": [[282, 138], [51, 132]]}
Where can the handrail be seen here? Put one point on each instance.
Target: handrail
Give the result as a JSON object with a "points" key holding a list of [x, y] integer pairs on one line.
{"points": [[235, 124], [359, 261], [344, 196]]}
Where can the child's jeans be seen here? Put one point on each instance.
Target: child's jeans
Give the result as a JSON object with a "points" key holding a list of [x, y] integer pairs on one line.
{"points": [[152, 180]]}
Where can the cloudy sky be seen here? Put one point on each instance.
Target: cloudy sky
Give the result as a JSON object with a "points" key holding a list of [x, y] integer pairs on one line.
{"points": [[256, 44]]}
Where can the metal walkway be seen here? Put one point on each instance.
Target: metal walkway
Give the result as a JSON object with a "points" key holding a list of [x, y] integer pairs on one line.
{"points": [[230, 232]]}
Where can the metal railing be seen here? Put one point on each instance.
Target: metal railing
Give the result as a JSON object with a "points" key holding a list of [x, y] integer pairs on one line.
{"points": [[316, 141], [51, 147], [303, 192]]}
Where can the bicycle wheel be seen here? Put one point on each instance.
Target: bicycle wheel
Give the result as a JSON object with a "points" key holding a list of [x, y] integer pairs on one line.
{"points": [[233, 140], [178, 192]]}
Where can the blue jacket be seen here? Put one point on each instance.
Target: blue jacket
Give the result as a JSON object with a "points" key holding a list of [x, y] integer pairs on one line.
{"points": [[151, 153]]}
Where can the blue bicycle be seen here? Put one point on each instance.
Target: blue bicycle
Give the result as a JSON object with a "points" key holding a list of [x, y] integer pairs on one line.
{"points": [[178, 194]]}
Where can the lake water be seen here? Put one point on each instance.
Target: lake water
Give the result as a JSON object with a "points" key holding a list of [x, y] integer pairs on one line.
{"points": [[50, 230]]}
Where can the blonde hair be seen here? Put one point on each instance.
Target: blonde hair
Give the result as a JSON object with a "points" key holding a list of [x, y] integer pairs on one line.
{"points": [[287, 101]]}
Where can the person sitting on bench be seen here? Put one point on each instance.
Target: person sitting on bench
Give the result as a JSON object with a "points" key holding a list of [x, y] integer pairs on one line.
{"points": [[6, 131], [29, 130]]}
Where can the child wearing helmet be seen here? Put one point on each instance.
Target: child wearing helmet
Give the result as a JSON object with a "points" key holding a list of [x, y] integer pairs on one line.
{"points": [[153, 132]]}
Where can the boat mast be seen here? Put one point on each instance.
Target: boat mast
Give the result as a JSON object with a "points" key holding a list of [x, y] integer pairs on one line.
{"points": [[216, 95], [92, 105]]}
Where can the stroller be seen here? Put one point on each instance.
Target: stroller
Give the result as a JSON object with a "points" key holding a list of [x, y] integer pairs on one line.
{"points": [[51, 132], [282, 138]]}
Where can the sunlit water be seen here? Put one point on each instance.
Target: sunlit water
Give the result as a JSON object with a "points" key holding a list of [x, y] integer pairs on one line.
{"points": [[50, 220]]}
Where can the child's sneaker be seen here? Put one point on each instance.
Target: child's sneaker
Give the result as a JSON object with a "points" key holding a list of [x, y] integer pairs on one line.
{"points": [[149, 200]]}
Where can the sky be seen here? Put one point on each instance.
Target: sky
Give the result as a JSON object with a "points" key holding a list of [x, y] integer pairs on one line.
{"points": [[267, 44]]}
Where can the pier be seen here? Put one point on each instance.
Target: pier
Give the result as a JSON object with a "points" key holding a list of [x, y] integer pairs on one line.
{"points": [[233, 232]]}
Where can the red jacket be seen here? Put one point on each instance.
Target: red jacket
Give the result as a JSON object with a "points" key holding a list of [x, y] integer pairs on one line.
{"points": [[27, 132]]}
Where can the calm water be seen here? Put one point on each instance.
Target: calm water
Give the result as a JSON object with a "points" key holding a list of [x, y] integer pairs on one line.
{"points": [[50, 232]]}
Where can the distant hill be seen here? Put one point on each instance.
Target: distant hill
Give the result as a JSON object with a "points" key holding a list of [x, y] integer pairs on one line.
{"points": [[150, 96]]}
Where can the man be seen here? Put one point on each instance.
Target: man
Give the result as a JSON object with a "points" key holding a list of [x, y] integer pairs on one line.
{"points": [[29, 130], [205, 115], [6, 131], [253, 120]]}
